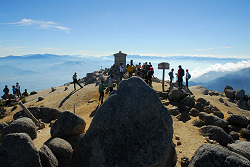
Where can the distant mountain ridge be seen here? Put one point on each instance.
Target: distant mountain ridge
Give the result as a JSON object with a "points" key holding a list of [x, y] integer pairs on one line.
{"points": [[238, 80]]}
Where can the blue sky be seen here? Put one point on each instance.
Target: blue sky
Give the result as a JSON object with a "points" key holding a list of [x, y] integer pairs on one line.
{"points": [[214, 28]]}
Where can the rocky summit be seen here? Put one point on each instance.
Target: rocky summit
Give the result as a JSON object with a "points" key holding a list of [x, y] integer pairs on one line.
{"points": [[131, 128]]}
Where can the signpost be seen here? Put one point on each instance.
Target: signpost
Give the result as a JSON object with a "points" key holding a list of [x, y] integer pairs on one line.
{"points": [[163, 65]]}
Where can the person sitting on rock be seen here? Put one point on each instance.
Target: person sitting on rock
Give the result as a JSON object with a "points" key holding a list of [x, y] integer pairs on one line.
{"points": [[101, 91], [6, 92], [75, 80], [25, 93]]}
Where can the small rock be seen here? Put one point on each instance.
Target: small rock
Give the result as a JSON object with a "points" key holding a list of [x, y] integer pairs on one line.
{"points": [[183, 116], [198, 123], [53, 89], [33, 93], [178, 143], [177, 137], [202, 100], [91, 101], [219, 114], [66, 88], [226, 104], [40, 98], [229, 112], [234, 135], [194, 112], [184, 161], [221, 100], [165, 102], [174, 111]]}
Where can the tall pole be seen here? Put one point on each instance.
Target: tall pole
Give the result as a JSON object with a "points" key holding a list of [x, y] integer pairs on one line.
{"points": [[163, 74]]}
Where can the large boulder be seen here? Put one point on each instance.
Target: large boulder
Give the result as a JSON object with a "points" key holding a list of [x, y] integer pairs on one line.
{"points": [[46, 114], [228, 87], [213, 156], [237, 120], [199, 106], [60, 147], [199, 89], [176, 94], [124, 134], [47, 157], [239, 94], [240, 147], [17, 149], [68, 124], [188, 101], [21, 125], [216, 133], [230, 93], [202, 100], [212, 120]]}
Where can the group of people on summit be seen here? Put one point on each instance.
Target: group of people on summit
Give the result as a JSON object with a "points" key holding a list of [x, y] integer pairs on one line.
{"points": [[16, 91], [179, 75]]}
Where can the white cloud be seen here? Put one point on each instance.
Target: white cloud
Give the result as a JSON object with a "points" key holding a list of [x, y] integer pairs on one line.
{"points": [[222, 68], [41, 24]]}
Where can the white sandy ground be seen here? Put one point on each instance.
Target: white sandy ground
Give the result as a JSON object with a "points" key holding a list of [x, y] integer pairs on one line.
{"points": [[63, 100]]}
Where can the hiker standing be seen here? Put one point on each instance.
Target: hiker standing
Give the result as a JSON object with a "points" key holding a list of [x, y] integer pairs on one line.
{"points": [[75, 80], [101, 91], [111, 83], [121, 71], [149, 76], [130, 70], [6, 92], [180, 75], [18, 90], [171, 75], [14, 91], [188, 76]]}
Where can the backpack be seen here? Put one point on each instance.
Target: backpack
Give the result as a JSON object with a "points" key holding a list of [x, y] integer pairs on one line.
{"points": [[182, 73], [189, 76]]}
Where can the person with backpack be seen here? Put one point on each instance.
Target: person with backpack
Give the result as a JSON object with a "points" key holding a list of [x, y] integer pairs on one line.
{"points": [[180, 74], [171, 75], [14, 92], [6, 92], [150, 74], [188, 76]]}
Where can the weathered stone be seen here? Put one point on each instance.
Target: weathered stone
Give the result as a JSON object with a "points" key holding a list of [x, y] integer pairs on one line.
{"points": [[122, 134], [248, 103], [212, 120], [234, 135], [48, 159], [194, 112], [60, 147], [174, 110], [17, 149], [237, 120], [234, 128], [188, 101], [3, 125], [21, 125], [219, 114], [53, 89], [197, 123], [245, 132], [68, 124], [207, 110], [183, 108], [40, 98], [199, 89], [164, 95], [240, 147], [202, 100], [199, 106], [239, 94], [45, 114], [228, 87], [183, 116], [216, 133], [176, 94], [209, 155], [229, 93], [184, 161]]}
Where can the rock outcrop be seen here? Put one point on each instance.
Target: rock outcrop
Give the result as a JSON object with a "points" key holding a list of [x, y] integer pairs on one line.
{"points": [[211, 155], [47, 157], [68, 124], [17, 149], [124, 134], [22, 125]]}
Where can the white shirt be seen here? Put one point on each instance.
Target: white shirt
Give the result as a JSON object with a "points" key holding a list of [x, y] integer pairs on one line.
{"points": [[18, 87], [121, 68]]}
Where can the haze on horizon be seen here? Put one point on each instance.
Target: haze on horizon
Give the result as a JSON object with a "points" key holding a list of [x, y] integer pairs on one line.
{"points": [[99, 28]]}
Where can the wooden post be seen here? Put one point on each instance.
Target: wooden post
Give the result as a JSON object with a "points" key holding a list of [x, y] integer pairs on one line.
{"points": [[163, 66], [28, 113]]}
